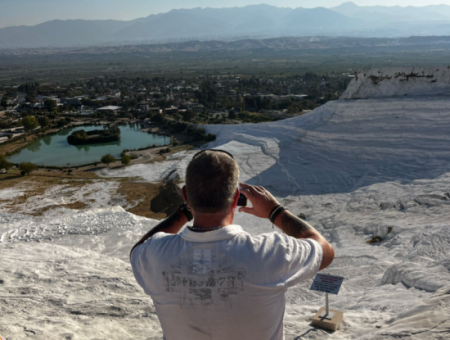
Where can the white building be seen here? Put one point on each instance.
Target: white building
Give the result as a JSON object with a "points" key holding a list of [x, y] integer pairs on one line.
{"points": [[110, 108]]}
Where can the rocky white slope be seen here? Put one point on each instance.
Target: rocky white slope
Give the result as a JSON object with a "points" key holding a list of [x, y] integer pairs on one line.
{"points": [[392, 82], [357, 169]]}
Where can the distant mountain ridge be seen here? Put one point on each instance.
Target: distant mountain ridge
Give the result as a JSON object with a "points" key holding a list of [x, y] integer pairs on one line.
{"points": [[255, 21]]}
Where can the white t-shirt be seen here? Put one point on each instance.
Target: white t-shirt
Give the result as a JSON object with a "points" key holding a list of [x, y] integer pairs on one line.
{"points": [[224, 284]]}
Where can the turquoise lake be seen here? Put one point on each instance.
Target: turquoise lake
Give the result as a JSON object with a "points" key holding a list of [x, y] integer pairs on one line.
{"points": [[55, 151]]}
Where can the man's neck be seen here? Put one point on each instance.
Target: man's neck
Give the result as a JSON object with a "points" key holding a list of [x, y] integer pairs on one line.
{"points": [[208, 221]]}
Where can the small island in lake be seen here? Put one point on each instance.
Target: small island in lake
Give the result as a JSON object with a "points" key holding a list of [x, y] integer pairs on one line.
{"points": [[81, 137]]}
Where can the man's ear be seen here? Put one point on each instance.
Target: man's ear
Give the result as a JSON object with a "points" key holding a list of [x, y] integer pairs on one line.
{"points": [[236, 198], [183, 193]]}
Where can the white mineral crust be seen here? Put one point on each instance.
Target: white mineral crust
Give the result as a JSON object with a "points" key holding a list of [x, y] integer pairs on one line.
{"points": [[356, 169], [394, 82]]}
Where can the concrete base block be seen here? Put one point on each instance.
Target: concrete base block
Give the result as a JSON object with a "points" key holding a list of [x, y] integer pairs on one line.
{"points": [[322, 321]]}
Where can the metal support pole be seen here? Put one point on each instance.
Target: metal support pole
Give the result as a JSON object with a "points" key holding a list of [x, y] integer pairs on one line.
{"points": [[326, 299]]}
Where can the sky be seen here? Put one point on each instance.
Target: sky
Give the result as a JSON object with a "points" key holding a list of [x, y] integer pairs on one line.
{"points": [[32, 12]]}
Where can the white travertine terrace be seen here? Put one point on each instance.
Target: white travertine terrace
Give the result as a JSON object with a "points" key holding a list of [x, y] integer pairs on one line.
{"points": [[394, 82], [357, 169]]}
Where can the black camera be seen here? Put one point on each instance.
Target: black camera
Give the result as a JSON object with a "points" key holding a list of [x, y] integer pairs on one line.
{"points": [[242, 201]]}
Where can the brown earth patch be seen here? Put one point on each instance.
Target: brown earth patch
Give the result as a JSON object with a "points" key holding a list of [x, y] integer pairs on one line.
{"points": [[40, 181], [64, 174], [32, 186], [75, 206], [36, 185], [153, 200]]}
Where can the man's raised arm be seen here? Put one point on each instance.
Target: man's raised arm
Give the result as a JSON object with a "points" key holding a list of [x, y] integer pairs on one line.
{"points": [[264, 203]]}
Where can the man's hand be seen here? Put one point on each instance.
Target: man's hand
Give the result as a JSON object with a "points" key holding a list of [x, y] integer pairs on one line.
{"points": [[262, 201]]}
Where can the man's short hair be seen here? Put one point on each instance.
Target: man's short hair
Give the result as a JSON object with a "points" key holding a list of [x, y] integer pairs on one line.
{"points": [[211, 182]]}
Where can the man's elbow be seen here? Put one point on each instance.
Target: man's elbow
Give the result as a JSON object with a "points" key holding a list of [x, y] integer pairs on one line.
{"points": [[328, 256], [132, 249]]}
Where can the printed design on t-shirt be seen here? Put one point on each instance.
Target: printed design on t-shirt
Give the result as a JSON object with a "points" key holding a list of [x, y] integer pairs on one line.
{"points": [[201, 277]]}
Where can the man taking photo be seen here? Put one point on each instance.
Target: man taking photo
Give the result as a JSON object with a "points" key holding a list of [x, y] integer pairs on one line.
{"points": [[214, 280]]}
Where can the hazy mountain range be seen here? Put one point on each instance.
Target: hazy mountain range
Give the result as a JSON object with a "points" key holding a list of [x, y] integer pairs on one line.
{"points": [[256, 21]]}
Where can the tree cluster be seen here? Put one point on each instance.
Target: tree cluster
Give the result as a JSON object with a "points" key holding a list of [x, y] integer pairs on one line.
{"points": [[207, 94], [26, 168], [200, 134], [251, 117], [4, 164], [108, 159], [82, 137]]}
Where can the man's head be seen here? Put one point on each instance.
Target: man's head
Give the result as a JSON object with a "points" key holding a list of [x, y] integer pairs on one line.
{"points": [[212, 179]]}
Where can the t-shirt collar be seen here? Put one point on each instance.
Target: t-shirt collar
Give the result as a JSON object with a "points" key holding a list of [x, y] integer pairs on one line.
{"points": [[211, 236]]}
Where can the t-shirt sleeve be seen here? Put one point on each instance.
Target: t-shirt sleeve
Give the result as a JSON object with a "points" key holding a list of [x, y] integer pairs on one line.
{"points": [[142, 261], [136, 264], [303, 260], [287, 260]]}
